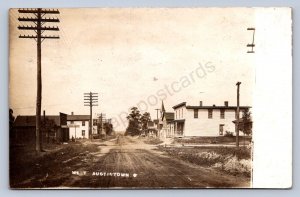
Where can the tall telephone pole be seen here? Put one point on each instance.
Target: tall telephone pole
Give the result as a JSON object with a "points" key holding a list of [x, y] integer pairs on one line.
{"points": [[251, 45], [91, 100], [157, 110], [237, 114], [37, 26]]}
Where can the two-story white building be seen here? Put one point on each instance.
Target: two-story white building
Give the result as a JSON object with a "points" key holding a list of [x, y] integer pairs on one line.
{"points": [[78, 126], [203, 120]]}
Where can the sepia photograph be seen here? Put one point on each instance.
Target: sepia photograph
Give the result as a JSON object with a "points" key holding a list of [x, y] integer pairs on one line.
{"points": [[135, 98]]}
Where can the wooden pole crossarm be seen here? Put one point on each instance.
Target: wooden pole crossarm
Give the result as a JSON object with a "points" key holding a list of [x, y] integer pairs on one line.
{"points": [[40, 20], [36, 28], [35, 11], [42, 37]]}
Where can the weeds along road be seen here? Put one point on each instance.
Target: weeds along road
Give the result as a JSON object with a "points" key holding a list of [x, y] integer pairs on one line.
{"points": [[125, 162], [128, 162]]}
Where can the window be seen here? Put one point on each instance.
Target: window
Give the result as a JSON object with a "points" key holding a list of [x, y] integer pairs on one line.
{"points": [[222, 113], [83, 123], [195, 113], [221, 129], [72, 122], [83, 133], [210, 113], [176, 114]]}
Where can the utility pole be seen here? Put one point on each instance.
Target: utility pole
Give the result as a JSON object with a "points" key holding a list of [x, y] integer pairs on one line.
{"points": [[157, 120], [101, 124], [252, 45], [237, 114], [91, 100], [44, 127], [102, 121], [37, 26]]}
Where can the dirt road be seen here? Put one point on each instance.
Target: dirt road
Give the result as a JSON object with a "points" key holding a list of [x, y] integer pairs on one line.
{"points": [[127, 162]]}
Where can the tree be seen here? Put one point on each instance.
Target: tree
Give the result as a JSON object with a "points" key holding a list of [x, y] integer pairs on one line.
{"points": [[108, 128], [134, 122], [11, 123], [145, 119], [247, 122], [11, 119]]}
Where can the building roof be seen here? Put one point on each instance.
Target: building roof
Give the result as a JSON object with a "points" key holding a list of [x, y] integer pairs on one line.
{"points": [[162, 106], [216, 107], [169, 116], [179, 105], [180, 120], [208, 107], [78, 117], [29, 121], [55, 118]]}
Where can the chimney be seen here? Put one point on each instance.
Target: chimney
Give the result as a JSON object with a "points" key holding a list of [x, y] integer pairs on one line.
{"points": [[226, 103], [200, 103], [72, 113]]}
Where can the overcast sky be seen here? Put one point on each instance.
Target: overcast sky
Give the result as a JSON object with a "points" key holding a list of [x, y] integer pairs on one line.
{"points": [[135, 57]]}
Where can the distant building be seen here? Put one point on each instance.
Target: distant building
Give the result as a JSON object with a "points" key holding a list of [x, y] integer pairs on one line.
{"points": [[57, 129], [53, 129], [78, 126], [167, 124], [102, 126], [152, 129], [151, 124], [157, 124], [203, 120]]}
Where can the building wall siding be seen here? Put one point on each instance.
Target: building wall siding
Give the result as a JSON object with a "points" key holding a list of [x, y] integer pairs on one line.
{"points": [[79, 129], [181, 113], [203, 126]]}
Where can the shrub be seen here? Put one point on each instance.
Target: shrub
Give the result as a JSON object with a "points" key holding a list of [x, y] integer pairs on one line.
{"points": [[233, 165], [153, 141], [228, 134]]}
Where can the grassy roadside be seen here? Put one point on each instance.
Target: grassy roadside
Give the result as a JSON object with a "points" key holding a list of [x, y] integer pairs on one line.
{"points": [[226, 159], [50, 168], [212, 140], [154, 141]]}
